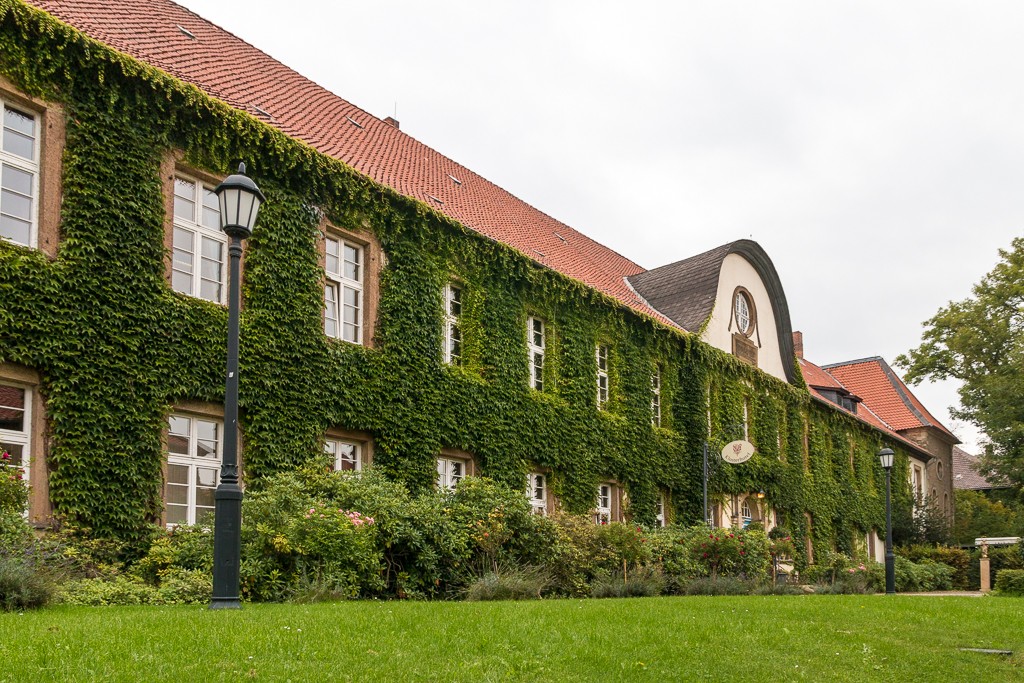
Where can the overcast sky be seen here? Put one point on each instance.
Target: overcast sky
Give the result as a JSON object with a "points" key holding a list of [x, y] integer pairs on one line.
{"points": [[874, 149]]}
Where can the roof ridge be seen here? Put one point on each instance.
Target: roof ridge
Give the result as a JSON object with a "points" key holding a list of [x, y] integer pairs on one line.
{"points": [[858, 361]]}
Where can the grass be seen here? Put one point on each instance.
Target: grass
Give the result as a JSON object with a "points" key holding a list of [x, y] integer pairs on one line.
{"points": [[748, 638]]}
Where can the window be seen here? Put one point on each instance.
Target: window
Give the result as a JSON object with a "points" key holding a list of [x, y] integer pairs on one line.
{"points": [[348, 455], [917, 482], [656, 397], [743, 311], [537, 491], [938, 470], [343, 291], [19, 176], [745, 513], [603, 513], [659, 516], [453, 325], [450, 471], [194, 447], [15, 430], [197, 264], [536, 342], [602, 375]]}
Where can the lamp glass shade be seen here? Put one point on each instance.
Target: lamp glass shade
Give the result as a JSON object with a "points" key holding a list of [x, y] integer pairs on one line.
{"points": [[885, 457], [240, 202]]}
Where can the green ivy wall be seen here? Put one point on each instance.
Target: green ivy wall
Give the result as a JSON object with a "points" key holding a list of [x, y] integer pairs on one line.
{"points": [[116, 349]]}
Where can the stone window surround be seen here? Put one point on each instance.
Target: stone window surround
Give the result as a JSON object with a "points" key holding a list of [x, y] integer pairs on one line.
{"points": [[467, 459], [205, 411], [363, 439], [52, 131], [39, 508], [372, 263]]}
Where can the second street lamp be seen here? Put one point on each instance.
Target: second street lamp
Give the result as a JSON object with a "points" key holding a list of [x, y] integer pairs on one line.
{"points": [[240, 201], [885, 457]]}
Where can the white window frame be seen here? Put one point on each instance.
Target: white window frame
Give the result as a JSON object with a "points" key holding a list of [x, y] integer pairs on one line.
{"points": [[193, 462], [917, 484], [537, 492], [659, 511], [22, 438], [603, 509], [536, 343], [746, 516], [200, 234], [450, 471], [656, 397], [338, 284], [452, 324], [601, 357], [30, 166], [337, 447]]}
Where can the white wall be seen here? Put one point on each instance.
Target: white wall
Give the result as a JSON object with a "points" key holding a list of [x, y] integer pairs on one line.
{"points": [[736, 272]]}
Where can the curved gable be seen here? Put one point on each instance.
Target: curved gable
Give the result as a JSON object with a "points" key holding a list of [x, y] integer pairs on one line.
{"points": [[697, 293]]}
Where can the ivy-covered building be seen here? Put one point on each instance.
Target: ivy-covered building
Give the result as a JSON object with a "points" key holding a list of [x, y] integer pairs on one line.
{"points": [[399, 310]]}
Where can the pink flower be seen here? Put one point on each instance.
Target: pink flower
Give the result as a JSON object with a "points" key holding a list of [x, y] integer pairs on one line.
{"points": [[5, 456]]}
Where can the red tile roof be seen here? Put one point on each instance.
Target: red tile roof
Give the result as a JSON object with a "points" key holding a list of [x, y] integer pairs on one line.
{"points": [[816, 378], [874, 381], [246, 78]]}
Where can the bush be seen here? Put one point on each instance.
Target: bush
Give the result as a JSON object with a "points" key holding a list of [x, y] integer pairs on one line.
{"points": [[515, 584], [670, 550], [726, 585], [577, 555], [643, 582], [13, 487], [119, 590], [917, 577], [25, 583], [1010, 582], [957, 559], [731, 552], [853, 580]]}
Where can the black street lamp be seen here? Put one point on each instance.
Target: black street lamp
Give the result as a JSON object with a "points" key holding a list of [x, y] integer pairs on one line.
{"points": [[240, 201], [885, 457]]}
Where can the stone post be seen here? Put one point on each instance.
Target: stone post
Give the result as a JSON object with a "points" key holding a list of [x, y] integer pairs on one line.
{"points": [[986, 580]]}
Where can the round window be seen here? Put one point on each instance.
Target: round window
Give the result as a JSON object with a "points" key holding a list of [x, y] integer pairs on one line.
{"points": [[938, 469], [743, 309]]}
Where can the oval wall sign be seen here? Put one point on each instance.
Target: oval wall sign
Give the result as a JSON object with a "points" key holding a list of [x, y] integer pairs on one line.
{"points": [[737, 452]]}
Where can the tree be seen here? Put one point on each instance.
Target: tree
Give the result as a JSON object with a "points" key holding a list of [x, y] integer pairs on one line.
{"points": [[978, 515], [980, 341]]}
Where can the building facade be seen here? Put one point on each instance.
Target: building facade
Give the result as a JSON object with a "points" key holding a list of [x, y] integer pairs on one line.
{"points": [[399, 311]]}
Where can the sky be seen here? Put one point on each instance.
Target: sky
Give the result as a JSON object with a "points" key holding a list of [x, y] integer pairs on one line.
{"points": [[874, 149]]}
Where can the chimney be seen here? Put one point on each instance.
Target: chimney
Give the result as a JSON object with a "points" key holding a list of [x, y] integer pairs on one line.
{"points": [[798, 344], [391, 121]]}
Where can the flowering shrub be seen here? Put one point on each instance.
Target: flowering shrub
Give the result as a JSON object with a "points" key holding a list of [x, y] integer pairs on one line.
{"points": [[336, 549], [13, 487]]}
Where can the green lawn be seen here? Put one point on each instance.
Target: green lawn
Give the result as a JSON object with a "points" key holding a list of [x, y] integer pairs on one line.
{"points": [[814, 638]]}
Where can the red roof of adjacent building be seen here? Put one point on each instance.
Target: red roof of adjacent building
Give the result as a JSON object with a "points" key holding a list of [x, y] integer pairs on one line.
{"points": [[967, 476], [874, 381], [817, 378], [183, 44]]}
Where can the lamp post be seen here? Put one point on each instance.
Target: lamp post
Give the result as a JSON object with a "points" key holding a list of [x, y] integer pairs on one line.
{"points": [[885, 457], [240, 201]]}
